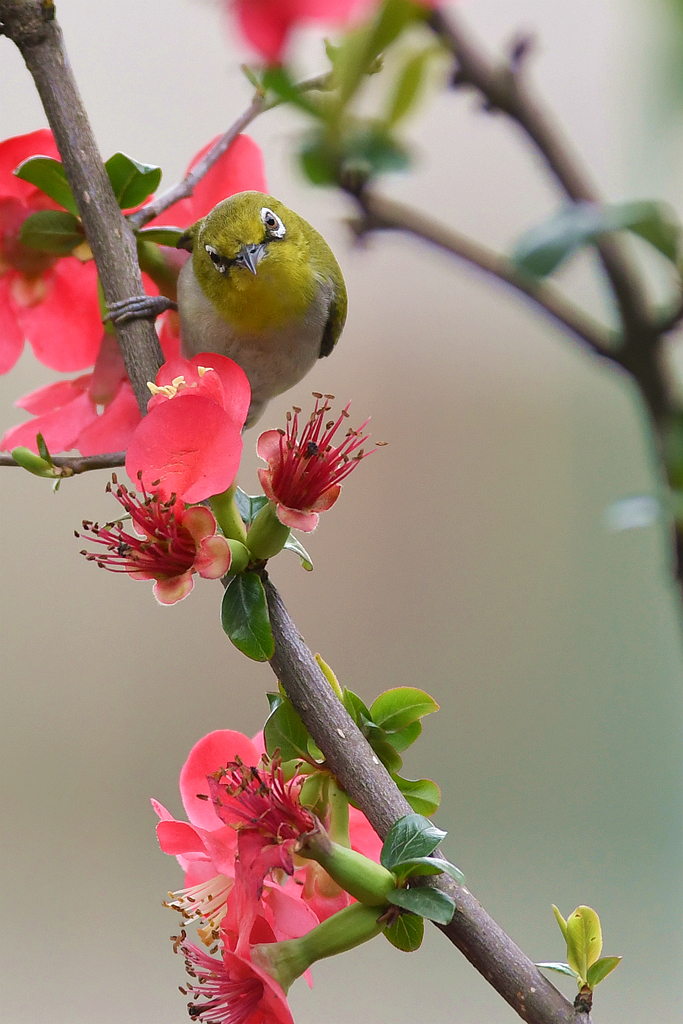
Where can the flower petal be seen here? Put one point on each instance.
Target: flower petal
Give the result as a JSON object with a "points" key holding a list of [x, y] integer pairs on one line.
{"points": [[213, 558], [17, 149], [304, 521], [11, 333], [209, 754], [60, 428], [175, 589], [112, 431], [65, 329]]}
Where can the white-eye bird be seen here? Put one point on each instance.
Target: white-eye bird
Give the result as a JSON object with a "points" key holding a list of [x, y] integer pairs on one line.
{"points": [[262, 286]]}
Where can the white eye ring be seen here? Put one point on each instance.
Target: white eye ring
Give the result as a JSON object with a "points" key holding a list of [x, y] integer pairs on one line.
{"points": [[216, 259], [273, 223]]}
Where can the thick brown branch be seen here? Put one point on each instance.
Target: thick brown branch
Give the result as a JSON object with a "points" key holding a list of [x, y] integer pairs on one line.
{"points": [[380, 212], [73, 465], [367, 781], [110, 237]]}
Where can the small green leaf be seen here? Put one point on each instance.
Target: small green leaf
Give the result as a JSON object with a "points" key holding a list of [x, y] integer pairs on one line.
{"points": [[371, 148], [43, 449], [355, 707], [28, 460], [318, 162], [311, 791], [314, 750], [542, 249], [244, 616], [132, 181], [55, 231], [279, 81], [656, 222], [292, 544], [161, 235], [561, 921], [428, 866], [584, 940], [600, 969], [423, 795], [387, 755], [425, 901], [561, 969], [274, 700], [406, 932], [408, 85], [49, 176], [405, 738], [410, 837], [284, 731], [398, 708], [249, 505]]}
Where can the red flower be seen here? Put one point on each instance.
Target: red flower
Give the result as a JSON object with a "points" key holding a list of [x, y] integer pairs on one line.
{"points": [[50, 301], [305, 472], [236, 990], [173, 544], [267, 23], [190, 442]]}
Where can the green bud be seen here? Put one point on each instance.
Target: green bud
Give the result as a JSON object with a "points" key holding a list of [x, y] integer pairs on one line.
{"points": [[364, 879], [267, 535], [27, 459], [240, 557], [228, 518], [287, 960]]}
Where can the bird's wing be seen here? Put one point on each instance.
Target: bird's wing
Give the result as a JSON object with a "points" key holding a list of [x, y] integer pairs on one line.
{"points": [[336, 316]]}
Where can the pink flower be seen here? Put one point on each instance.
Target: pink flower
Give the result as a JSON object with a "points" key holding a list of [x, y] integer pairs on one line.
{"points": [[173, 543], [267, 24], [50, 301], [305, 472], [235, 989], [189, 444]]}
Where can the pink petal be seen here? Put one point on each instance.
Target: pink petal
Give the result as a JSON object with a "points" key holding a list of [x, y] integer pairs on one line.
{"points": [[109, 370], [161, 811], [200, 523], [190, 445], [265, 476], [209, 754], [265, 25], [269, 447], [236, 389], [53, 396], [14, 151], [304, 521], [112, 431], [60, 428], [213, 558], [363, 837], [177, 837], [327, 499], [173, 590], [11, 334], [65, 329], [169, 334], [290, 916]]}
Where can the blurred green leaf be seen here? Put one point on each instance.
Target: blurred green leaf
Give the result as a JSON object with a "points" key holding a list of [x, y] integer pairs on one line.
{"points": [[292, 544], [411, 836], [249, 505], [279, 81], [398, 708], [425, 901], [561, 921], [584, 940], [161, 235], [408, 86], [598, 971], [284, 731], [48, 175], [131, 180], [54, 231], [423, 795], [244, 616], [406, 933]]}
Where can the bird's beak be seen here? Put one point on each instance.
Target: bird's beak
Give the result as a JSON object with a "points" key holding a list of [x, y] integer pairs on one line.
{"points": [[250, 256]]}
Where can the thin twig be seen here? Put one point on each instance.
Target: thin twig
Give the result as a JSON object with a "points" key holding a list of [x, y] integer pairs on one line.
{"points": [[380, 212], [366, 780], [31, 26], [75, 464]]}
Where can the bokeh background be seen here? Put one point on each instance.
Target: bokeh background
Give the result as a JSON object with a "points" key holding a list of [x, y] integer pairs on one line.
{"points": [[473, 556]]}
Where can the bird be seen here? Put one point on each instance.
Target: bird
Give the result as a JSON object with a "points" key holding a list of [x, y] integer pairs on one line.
{"points": [[261, 286]]}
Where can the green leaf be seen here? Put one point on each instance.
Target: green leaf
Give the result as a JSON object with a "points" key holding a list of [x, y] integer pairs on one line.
{"points": [[408, 85], [292, 544], [656, 222], [561, 921], [244, 616], [318, 162], [600, 969], [406, 932], [249, 505], [425, 901], [43, 449], [132, 181], [279, 81], [396, 709], [371, 148], [410, 837], [387, 755], [54, 231], [355, 707], [28, 460], [49, 176], [284, 731], [584, 940], [423, 795], [561, 969], [274, 700], [428, 866], [161, 235], [404, 738], [311, 791]]}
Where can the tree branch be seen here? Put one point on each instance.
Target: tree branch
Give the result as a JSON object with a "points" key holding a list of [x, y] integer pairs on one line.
{"points": [[368, 783], [73, 465], [31, 26], [383, 213]]}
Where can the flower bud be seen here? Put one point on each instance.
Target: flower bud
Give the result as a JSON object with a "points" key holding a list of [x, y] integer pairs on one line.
{"points": [[267, 535]]}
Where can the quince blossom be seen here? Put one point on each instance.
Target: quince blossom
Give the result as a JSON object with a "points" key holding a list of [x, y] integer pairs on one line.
{"points": [[267, 24], [236, 990], [305, 471], [173, 544]]}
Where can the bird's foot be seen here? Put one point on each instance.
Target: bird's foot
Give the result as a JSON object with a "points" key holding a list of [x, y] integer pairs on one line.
{"points": [[140, 307]]}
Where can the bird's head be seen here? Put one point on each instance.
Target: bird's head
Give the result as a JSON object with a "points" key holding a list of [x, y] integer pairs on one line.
{"points": [[251, 258]]}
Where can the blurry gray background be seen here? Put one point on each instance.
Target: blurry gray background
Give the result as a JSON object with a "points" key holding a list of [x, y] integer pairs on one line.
{"points": [[471, 556]]}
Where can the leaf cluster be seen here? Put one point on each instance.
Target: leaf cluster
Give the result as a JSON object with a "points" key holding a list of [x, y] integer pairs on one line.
{"points": [[583, 934]]}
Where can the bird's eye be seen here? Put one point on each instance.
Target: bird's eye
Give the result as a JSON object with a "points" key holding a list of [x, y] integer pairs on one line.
{"points": [[217, 260], [273, 224]]}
